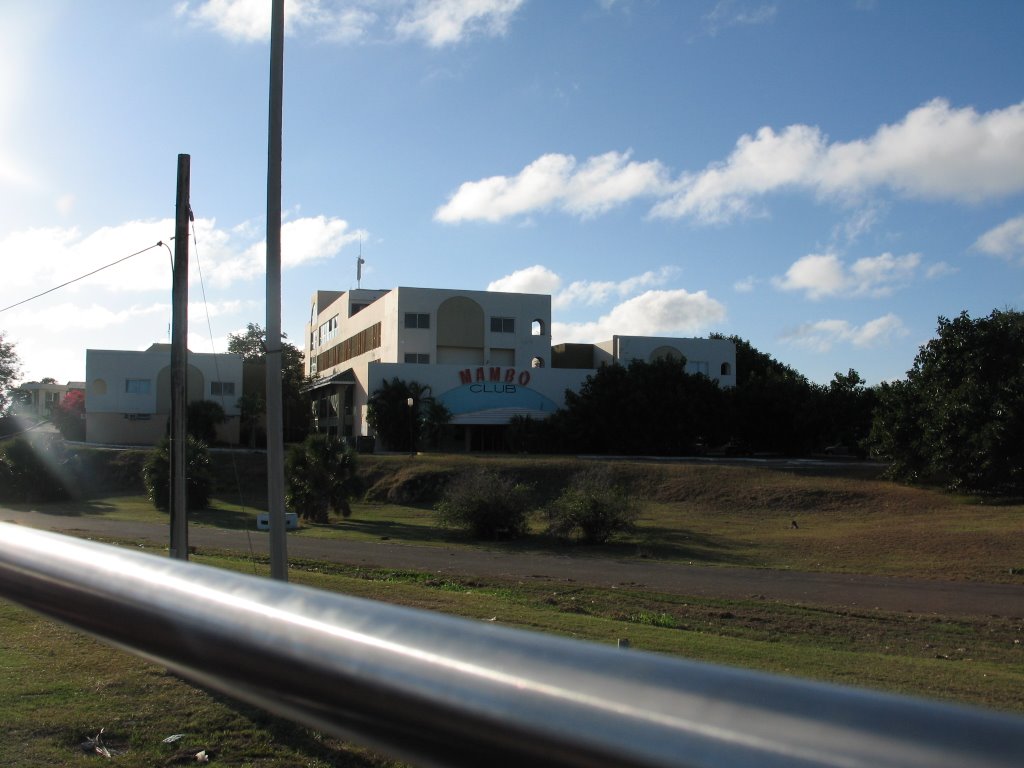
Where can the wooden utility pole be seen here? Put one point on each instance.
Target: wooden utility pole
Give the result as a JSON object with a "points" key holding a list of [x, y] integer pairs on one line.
{"points": [[179, 363], [275, 423]]}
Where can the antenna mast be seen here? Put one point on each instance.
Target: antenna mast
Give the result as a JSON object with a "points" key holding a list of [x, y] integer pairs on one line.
{"points": [[359, 263]]}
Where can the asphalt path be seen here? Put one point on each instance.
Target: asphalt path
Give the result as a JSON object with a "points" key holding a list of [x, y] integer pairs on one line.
{"points": [[851, 591]]}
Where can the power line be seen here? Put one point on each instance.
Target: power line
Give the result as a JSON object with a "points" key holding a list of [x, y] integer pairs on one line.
{"points": [[82, 277]]}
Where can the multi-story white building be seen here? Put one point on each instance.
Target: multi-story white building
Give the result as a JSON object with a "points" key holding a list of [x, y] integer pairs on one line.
{"points": [[486, 356], [128, 393], [41, 398]]}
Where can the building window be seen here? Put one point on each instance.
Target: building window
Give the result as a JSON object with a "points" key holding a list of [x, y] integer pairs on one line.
{"points": [[726, 369], [137, 386], [416, 357], [417, 320], [503, 325], [222, 388]]}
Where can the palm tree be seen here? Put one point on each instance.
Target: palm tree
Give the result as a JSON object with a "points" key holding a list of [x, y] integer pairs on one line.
{"points": [[399, 411], [321, 476]]}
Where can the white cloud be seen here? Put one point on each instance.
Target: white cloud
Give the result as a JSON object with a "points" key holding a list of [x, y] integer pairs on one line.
{"points": [[654, 313], [597, 292], [444, 22], [1005, 241], [746, 285], [554, 180], [540, 279], [90, 316], [935, 152], [249, 20], [732, 13], [821, 336], [303, 241], [435, 22], [39, 259], [535, 279], [940, 269], [825, 275]]}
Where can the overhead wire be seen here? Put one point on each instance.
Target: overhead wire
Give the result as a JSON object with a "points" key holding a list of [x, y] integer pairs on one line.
{"points": [[216, 367], [82, 277]]}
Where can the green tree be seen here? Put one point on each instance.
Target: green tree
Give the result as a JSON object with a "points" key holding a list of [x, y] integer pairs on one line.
{"points": [[434, 420], [251, 345], [486, 504], [251, 406], [33, 470], [645, 408], [592, 509], [773, 407], [10, 370], [958, 417], [203, 418], [321, 476], [156, 474], [849, 407], [69, 415], [393, 420]]}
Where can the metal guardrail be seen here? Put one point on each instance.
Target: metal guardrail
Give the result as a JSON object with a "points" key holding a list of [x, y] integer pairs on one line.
{"points": [[438, 690]]}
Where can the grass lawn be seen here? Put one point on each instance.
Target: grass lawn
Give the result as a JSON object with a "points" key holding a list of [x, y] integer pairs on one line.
{"points": [[61, 687], [709, 515]]}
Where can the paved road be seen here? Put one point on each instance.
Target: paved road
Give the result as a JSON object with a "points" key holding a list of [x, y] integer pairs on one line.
{"points": [[855, 592]]}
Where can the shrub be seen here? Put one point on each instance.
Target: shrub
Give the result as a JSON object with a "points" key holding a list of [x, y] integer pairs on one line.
{"points": [[486, 504], [69, 416], [321, 475], [35, 470], [592, 509], [203, 417], [156, 474]]}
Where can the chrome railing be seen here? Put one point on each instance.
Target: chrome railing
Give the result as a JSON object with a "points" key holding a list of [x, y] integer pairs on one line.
{"points": [[437, 690]]}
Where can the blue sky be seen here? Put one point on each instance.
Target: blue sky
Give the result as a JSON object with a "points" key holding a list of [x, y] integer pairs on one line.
{"points": [[823, 179]]}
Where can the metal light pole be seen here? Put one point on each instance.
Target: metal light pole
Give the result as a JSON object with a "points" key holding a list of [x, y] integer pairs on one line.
{"points": [[412, 423], [275, 426]]}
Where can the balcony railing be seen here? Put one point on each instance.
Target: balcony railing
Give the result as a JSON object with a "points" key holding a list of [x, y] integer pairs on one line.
{"points": [[438, 690]]}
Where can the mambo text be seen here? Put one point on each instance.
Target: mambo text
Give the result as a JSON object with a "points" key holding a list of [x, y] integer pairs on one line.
{"points": [[494, 374]]}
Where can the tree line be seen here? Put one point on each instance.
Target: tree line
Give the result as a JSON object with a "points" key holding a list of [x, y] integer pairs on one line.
{"points": [[956, 420]]}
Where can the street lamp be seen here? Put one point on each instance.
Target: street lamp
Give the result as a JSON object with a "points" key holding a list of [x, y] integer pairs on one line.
{"points": [[412, 441]]}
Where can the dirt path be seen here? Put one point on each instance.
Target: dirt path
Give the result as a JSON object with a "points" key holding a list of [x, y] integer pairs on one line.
{"points": [[856, 592]]}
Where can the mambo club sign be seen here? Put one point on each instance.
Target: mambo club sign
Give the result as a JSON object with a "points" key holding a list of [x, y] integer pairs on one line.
{"points": [[495, 388], [480, 379]]}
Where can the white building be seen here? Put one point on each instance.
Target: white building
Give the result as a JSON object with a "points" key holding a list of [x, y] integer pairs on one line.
{"points": [[486, 356], [41, 398], [128, 394]]}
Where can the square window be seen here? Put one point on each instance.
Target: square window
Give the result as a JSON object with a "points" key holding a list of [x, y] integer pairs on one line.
{"points": [[503, 325], [417, 357], [417, 320], [222, 388], [137, 386]]}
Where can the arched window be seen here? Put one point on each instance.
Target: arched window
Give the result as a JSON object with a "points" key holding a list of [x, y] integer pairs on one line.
{"points": [[726, 369], [537, 362], [666, 353], [460, 331], [538, 328]]}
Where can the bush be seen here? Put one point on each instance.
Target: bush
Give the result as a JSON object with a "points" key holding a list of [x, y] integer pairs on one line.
{"points": [[321, 475], [156, 474], [203, 418], [35, 470], [592, 509], [486, 505]]}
